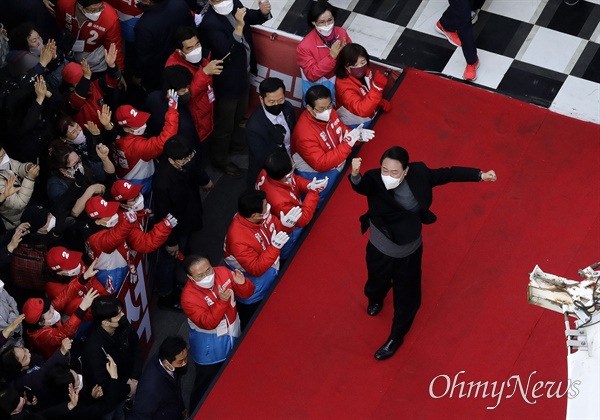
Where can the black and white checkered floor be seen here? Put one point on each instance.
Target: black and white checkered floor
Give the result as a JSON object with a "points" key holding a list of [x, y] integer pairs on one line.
{"points": [[539, 51]]}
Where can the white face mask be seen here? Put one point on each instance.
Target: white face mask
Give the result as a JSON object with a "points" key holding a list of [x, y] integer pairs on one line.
{"points": [[323, 116], [72, 273], [80, 387], [1, 285], [390, 182], [92, 16], [80, 138], [194, 56], [55, 318], [139, 131], [223, 8], [5, 164], [207, 282], [325, 30], [139, 203], [37, 50], [114, 219], [268, 212]]}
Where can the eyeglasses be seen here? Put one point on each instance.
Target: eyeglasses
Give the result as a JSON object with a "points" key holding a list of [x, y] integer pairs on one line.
{"points": [[186, 159], [76, 164], [202, 276], [318, 110], [325, 22]]}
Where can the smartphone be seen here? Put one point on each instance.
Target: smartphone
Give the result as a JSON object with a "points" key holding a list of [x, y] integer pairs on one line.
{"points": [[105, 353], [28, 394], [226, 55]]}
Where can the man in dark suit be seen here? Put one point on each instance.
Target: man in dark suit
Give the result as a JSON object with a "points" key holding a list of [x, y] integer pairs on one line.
{"points": [[159, 390], [399, 202], [154, 38], [270, 126], [225, 31]]}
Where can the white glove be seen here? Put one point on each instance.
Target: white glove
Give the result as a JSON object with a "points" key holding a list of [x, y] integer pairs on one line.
{"points": [[353, 136], [173, 98], [290, 219], [170, 221], [365, 134], [130, 216], [318, 185], [279, 239]]}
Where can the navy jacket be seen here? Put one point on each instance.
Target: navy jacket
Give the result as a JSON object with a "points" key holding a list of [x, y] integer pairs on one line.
{"points": [[154, 39], [216, 34], [263, 138], [158, 394]]}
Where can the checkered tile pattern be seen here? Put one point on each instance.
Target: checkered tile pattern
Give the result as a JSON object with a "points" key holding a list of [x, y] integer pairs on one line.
{"points": [[540, 51]]}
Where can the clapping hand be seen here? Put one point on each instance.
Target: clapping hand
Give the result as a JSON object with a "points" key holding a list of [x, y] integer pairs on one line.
{"points": [[239, 277]]}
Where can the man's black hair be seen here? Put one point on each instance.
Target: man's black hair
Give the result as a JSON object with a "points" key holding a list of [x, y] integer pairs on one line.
{"points": [[194, 259], [175, 77], [397, 153], [278, 165], [171, 347], [183, 33], [251, 202], [270, 85], [11, 367], [106, 307], [177, 148], [317, 9], [315, 93]]}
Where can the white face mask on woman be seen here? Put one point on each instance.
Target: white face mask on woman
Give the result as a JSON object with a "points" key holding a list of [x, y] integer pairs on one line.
{"points": [[80, 138], [223, 8], [325, 30]]}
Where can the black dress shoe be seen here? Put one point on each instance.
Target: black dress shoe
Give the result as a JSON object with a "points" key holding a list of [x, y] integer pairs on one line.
{"points": [[374, 308], [388, 349], [170, 302], [230, 169]]}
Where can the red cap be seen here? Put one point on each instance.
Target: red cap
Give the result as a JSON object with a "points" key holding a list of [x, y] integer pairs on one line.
{"points": [[60, 258], [98, 208], [72, 73], [34, 308], [128, 116], [124, 190]]}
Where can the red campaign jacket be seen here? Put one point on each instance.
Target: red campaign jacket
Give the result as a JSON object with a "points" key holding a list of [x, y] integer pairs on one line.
{"points": [[67, 297], [283, 197], [250, 244], [320, 144], [93, 102], [146, 242], [313, 55], [201, 103], [47, 340], [130, 149], [205, 316], [110, 240], [103, 32], [355, 97]]}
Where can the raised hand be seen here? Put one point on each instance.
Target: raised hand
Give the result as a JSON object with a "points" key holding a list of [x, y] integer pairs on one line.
{"points": [[87, 70], [48, 53], [9, 186], [213, 68], [87, 300], [91, 271], [33, 171], [239, 277], [110, 55], [290, 218], [65, 345], [102, 151], [356, 162], [20, 231], [92, 128], [264, 6], [104, 116], [240, 14], [279, 239], [40, 89]]}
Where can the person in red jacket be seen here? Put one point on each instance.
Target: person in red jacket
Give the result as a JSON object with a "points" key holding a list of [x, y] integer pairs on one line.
{"points": [[134, 153], [209, 302], [131, 199], [202, 96], [95, 26], [253, 245], [284, 191], [318, 51], [67, 297], [358, 90], [44, 329], [320, 141], [88, 97]]}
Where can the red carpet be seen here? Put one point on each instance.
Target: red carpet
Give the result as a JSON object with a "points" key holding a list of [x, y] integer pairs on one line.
{"points": [[310, 352]]}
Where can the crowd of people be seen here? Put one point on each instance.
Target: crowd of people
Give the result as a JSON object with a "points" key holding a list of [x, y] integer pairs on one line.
{"points": [[110, 110]]}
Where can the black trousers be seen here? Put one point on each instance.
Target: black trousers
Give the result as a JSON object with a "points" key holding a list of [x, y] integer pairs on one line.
{"points": [[227, 116], [204, 377], [457, 18], [403, 275], [246, 312]]}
